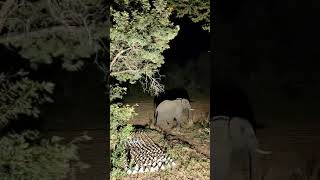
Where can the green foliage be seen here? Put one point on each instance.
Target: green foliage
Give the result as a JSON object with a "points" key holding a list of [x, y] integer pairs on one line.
{"points": [[46, 31], [22, 96], [117, 92], [196, 10], [120, 115], [27, 156], [120, 130], [140, 33]]}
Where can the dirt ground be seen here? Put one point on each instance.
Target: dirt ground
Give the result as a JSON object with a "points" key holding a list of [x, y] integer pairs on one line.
{"points": [[294, 140], [295, 152], [193, 158], [145, 110], [295, 144]]}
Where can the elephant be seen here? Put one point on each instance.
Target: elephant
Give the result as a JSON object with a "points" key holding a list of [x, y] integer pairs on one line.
{"points": [[171, 94], [233, 139], [171, 113], [229, 99]]}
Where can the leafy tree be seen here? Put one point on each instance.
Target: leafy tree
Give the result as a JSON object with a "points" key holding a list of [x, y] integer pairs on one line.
{"points": [[28, 155], [140, 32], [138, 37], [196, 10], [44, 32], [47, 31], [22, 96]]}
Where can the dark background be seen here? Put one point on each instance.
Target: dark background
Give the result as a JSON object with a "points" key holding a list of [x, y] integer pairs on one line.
{"points": [[80, 105], [271, 49]]}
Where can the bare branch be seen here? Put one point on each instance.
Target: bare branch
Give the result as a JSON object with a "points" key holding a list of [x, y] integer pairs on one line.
{"points": [[117, 56], [151, 83], [124, 71]]}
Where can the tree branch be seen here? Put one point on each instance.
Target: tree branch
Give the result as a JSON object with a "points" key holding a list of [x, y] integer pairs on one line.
{"points": [[12, 37], [124, 71], [117, 56], [193, 145], [4, 12]]}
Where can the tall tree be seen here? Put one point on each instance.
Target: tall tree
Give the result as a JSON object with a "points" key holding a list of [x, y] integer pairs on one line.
{"points": [[47, 31], [197, 10], [138, 37], [139, 34], [44, 32]]}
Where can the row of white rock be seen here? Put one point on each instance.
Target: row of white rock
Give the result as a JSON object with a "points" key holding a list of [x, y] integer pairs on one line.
{"points": [[155, 167]]}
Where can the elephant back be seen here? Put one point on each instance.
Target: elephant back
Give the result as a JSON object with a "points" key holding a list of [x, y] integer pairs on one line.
{"points": [[228, 99], [171, 94]]}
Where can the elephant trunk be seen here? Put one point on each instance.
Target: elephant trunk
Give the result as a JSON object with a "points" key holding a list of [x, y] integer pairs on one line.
{"points": [[190, 115], [260, 151]]}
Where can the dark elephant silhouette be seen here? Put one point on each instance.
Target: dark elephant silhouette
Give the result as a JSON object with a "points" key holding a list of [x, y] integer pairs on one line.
{"points": [[228, 99], [234, 139]]}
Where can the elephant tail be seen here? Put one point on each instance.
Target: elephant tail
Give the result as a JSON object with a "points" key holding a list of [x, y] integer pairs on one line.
{"points": [[260, 151]]}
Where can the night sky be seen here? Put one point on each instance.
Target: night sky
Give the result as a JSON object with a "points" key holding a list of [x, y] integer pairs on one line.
{"points": [[187, 45], [271, 49]]}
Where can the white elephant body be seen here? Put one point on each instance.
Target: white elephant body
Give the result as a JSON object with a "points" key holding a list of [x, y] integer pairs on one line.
{"points": [[234, 145], [172, 113]]}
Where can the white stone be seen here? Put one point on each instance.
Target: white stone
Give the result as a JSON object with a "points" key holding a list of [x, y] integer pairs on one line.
{"points": [[152, 169], [136, 168], [154, 164], [141, 170], [146, 170], [156, 168]]}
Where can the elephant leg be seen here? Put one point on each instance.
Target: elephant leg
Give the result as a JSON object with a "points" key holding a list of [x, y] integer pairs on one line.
{"points": [[239, 165], [222, 150], [178, 124], [178, 119], [245, 140], [253, 165]]}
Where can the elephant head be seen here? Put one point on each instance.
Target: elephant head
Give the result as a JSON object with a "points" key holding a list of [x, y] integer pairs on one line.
{"points": [[186, 105], [234, 138]]}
